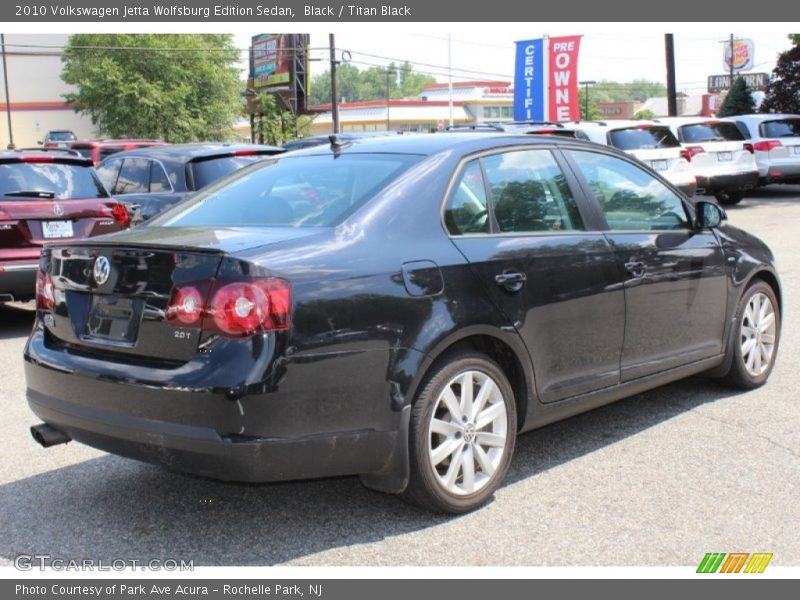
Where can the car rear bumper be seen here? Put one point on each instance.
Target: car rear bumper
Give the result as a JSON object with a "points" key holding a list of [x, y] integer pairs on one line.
{"points": [[272, 436], [733, 182], [18, 279], [783, 172]]}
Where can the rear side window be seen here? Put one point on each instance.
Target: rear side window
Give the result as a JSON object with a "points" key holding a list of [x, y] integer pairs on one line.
{"points": [[208, 171], [717, 131], [781, 128], [108, 172], [49, 180], [467, 210], [134, 177], [85, 151], [530, 193], [159, 182], [644, 137], [296, 191], [630, 198]]}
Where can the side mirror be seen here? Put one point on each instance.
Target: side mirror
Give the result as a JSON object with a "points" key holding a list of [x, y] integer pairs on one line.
{"points": [[709, 215]]}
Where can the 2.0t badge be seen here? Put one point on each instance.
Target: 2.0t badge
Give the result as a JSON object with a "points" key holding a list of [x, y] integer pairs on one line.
{"points": [[102, 269]]}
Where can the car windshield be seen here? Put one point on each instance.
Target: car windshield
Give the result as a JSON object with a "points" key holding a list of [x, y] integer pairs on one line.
{"points": [[781, 128], [206, 171], [643, 137], [61, 136], [712, 131], [49, 180], [299, 191]]}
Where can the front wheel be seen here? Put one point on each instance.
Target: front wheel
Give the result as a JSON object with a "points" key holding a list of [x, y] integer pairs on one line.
{"points": [[462, 434], [755, 344], [729, 198]]}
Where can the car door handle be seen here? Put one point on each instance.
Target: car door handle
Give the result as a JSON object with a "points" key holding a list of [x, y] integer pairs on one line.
{"points": [[636, 268], [511, 280]]}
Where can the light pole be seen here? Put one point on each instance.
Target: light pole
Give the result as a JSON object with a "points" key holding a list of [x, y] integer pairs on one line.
{"points": [[8, 99], [388, 73], [586, 85]]}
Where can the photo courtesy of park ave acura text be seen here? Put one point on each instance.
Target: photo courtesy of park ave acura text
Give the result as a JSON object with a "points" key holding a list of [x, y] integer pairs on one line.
{"points": [[317, 289]]}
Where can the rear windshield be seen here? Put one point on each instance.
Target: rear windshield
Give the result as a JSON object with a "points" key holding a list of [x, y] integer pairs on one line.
{"points": [[208, 171], [718, 131], [49, 180], [85, 151], [296, 191], [781, 128], [61, 136], [640, 138], [107, 151]]}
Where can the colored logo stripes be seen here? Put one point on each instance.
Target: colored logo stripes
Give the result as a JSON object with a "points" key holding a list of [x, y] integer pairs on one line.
{"points": [[734, 562]]}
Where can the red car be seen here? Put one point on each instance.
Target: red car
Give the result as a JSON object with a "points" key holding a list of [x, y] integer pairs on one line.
{"points": [[47, 196], [99, 150]]}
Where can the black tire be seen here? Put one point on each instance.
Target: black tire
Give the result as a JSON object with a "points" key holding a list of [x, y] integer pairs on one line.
{"points": [[729, 198], [426, 488], [739, 376]]}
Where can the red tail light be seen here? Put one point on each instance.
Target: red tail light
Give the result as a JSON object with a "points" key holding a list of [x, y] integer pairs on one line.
{"points": [[45, 294], [120, 214], [694, 151], [245, 152], [238, 308], [749, 148], [686, 154], [767, 145], [36, 159]]}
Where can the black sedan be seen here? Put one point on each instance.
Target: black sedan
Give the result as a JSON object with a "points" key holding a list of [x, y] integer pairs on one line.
{"points": [[151, 179], [396, 308]]}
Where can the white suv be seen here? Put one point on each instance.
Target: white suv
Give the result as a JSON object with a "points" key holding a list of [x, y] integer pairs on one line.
{"points": [[652, 143], [776, 141], [722, 160]]}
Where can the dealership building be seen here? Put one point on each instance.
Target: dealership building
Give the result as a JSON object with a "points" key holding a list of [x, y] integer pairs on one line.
{"points": [[473, 102], [36, 92]]}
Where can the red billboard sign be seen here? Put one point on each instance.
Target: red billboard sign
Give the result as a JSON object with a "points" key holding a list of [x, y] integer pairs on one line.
{"points": [[563, 78]]}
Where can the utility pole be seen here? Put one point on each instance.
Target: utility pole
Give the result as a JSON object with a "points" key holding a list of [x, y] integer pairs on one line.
{"points": [[388, 73], [334, 87], [672, 92], [8, 99], [450, 79], [586, 85], [730, 87]]}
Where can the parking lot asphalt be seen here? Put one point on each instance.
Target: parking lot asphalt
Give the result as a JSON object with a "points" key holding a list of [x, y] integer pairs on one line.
{"points": [[657, 479]]}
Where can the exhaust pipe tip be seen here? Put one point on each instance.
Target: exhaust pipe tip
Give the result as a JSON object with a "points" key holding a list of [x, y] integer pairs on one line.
{"points": [[48, 436]]}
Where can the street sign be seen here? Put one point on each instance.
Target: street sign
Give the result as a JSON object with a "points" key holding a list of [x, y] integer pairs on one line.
{"points": [[722, 83]]}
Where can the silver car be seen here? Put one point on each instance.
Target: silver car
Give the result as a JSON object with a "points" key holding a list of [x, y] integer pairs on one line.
{"points": [[776, 143]]}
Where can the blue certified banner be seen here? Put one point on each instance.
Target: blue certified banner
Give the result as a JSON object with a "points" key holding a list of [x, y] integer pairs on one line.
{"points": [[529, 99]]}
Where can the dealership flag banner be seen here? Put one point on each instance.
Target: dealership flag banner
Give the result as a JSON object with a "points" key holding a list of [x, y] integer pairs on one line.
{"points": [[546, 79]]}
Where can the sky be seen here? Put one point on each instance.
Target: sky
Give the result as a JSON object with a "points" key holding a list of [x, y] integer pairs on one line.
{"points": [[487, 52]]}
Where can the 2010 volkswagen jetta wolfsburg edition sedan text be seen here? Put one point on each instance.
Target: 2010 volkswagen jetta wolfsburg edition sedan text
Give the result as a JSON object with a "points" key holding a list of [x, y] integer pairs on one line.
{"points": [[397, 308]]}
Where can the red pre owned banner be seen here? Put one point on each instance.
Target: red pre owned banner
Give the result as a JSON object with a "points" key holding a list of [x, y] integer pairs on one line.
{"points": [[563, 78]]}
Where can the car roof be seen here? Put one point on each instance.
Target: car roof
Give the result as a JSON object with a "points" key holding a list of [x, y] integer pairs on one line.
{"points": [[615, 124], [427, 144], [763, 117], [44, 156], [679, 121], [103, 143], [188, 152]]}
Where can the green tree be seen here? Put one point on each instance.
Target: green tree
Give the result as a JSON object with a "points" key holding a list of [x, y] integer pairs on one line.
{"points": [[637, 90], [783, 91], [795, 37], [176, 87], [274, 124], [356, 85], [738, 101], [594, 113], [644, 115]]}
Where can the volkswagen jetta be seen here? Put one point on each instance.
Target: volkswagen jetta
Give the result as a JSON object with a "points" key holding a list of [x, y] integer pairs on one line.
{"points": [[394, 308]]}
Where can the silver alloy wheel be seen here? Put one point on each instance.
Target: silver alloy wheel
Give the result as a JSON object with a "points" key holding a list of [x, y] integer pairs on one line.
{"points": [[467, 432], [757, 334]]}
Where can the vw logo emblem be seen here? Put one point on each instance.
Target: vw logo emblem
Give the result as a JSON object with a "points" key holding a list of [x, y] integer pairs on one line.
{"points": [[58, 210], [102, 269]]}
